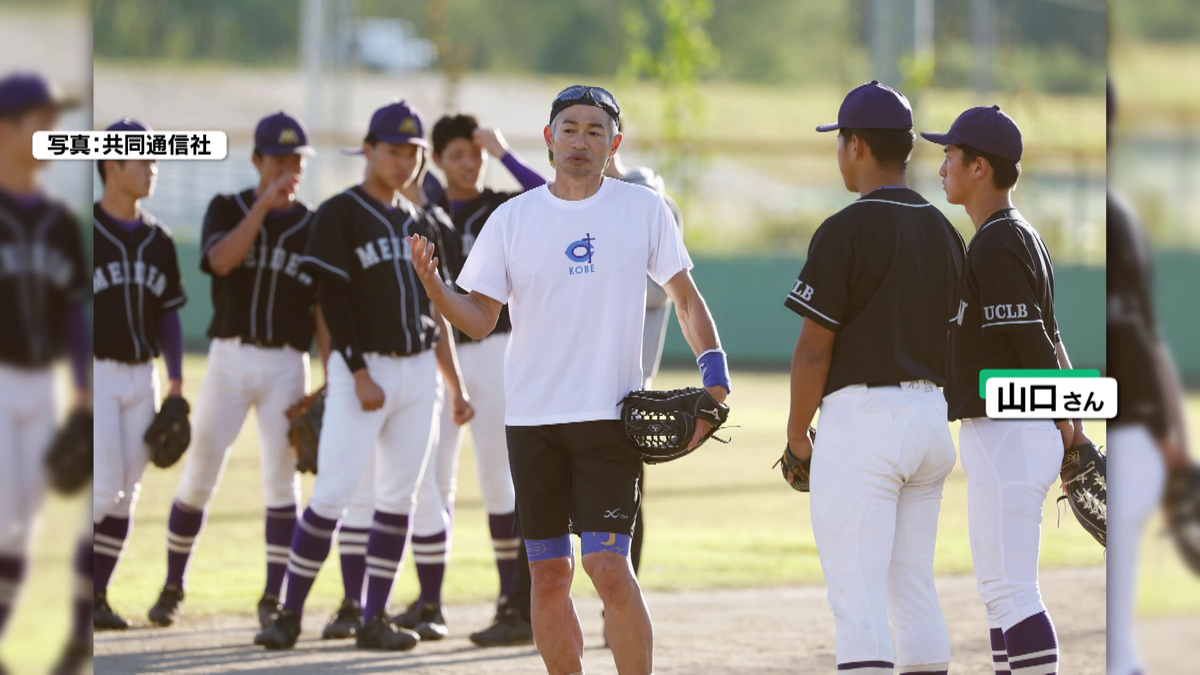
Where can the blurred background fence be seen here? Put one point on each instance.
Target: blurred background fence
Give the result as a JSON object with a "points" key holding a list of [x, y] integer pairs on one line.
{"points": [[720, 96]]}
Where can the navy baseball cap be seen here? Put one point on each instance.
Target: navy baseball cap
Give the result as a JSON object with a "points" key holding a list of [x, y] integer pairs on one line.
{"points": [[396, 123], [873, 106], [985, 128], [128, 124], [24, 90], [281, 134]]}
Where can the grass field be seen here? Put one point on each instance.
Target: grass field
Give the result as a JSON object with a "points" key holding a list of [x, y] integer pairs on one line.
{"points": [[723, 518]]}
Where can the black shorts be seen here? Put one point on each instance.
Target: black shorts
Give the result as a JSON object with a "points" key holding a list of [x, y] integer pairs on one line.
{"points": [[573, 478]]}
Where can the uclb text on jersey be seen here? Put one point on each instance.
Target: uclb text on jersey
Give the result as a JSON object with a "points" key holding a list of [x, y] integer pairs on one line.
{"points": [[1040, 394], [1002, 312]]}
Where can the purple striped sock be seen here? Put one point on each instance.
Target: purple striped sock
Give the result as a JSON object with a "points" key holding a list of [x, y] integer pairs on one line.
{"points": [[385, 547], [281, 523], [430, 554], [183, 526], [108, 542], [82, 619], [310, 546], [999, 652], [352, 549], [12, 573], [1032, 645], [505, 543]]}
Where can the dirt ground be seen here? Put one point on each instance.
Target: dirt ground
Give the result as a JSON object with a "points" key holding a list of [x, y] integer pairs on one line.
{"points": [[768, 630]]}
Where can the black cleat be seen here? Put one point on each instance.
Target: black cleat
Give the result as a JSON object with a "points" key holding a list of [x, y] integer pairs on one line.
{"points": [[268, 609], [282, 632], [74, 659], [169, 606], [380, 633], [509, 629], [345, 622], [103, 616], [425, 618]]}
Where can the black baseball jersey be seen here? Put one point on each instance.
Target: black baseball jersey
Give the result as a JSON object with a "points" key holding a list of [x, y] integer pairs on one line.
{"points": [[268, 298], [42, 273], [1132, 328], [135, 280], [469, 222], [1008, 286], [882, 273], [359, 241]]}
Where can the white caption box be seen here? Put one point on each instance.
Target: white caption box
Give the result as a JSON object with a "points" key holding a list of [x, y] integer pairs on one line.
{"points": [[116, 145], [1051, 398]]}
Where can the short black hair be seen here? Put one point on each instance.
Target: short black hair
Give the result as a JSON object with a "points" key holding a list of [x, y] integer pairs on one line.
{"points": [[891, 148], [1005, 172], [450, 127], [100, 168]]}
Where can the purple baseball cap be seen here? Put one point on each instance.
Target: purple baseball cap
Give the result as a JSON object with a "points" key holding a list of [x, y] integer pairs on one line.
{"points": [[396, 123], [985, 128], [24, 90], [281, 134], [873, 106], [128, 124]]}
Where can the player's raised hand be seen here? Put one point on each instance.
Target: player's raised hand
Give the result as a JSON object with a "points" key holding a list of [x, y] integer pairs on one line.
{"points": [[424, 262], [279, 192], [492, 141]]}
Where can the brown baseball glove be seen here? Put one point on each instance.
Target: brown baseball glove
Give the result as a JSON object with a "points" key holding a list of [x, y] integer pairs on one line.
{"points": [[304, 429]]}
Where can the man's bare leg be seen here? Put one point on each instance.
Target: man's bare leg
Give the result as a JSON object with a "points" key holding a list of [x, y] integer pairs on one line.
{"points": [[627, 619], [556, 629]]}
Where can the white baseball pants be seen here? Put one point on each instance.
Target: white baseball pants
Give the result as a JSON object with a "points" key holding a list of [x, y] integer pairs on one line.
{"points": [[400, 435], [1137, 477], [240, 376], [881, 458], [28, 422], [125, 400], [1010, 465], [482, 365]]}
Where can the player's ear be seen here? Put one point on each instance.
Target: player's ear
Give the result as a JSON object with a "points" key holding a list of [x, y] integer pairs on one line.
{"points": [[549, 136], [616, 144]]}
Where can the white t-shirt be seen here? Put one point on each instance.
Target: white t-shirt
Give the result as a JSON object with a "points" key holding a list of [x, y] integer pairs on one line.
{"points": [[574, 276]]}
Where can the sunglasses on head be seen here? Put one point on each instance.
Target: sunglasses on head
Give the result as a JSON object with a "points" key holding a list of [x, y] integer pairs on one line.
{"points": [[584, 94]]}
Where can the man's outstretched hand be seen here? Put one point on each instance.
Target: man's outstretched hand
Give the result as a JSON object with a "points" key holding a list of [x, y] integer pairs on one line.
{"points": [[426, 265]]}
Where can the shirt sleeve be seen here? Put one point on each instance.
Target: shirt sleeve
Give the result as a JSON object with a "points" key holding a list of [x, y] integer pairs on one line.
{"points": [[668, 255], [1008, 298], [173, 296], [525, 175], [822, 290], [327, 252], [220, 219], [486, 268], [79, 288]]}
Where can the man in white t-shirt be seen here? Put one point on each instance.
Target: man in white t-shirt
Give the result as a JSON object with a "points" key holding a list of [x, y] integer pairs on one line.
{"points": [[570, 259]]}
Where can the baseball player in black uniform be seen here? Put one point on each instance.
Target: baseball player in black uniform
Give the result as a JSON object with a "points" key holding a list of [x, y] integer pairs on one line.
{"points": [[138, 291], [1005, 319], [262, 329], [43, 290], [1148, 438], [461, 149], [384, 396], [879, 280]]}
